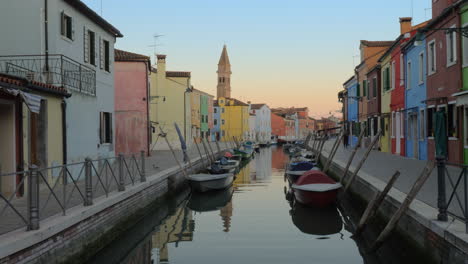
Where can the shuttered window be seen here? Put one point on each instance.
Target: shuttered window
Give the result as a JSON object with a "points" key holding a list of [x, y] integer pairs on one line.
{"points": [[105, 127], [66, 26], [374, 87]]}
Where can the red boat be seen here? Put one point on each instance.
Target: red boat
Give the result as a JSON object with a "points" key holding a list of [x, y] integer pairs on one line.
{"points": [[315, 188]]}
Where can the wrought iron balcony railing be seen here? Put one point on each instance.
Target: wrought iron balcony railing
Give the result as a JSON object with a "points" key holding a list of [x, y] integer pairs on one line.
{"points": [[57, 70]]}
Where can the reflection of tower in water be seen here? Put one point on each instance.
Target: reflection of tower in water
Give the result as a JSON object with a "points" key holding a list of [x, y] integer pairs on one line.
{"points": [[226, 214], [177, 228], [243, 177]]}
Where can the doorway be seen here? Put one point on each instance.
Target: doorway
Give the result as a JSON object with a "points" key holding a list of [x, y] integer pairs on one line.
{"points": [[8, 149], [413, 125], [398, 133]]}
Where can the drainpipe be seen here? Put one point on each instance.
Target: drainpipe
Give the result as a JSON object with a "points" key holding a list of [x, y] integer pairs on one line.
{"points": [[46, 34], [64, 131]]}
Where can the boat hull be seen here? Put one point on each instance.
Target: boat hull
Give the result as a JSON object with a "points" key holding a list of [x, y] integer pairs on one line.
{"points": [[316, 199], [211, 185]]}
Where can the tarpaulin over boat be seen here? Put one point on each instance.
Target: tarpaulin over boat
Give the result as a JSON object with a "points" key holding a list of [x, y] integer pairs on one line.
{"points": [[301, 166]]}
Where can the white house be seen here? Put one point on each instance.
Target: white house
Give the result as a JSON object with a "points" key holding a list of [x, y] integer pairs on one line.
{"points": [[66, 44], [262, 122], [252, 128]]}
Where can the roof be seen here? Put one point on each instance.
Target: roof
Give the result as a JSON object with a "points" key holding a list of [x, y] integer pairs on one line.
{"points": [[18, 83], [442, 15], [376, 67], [224, 59], [387, 52], [236, 102], [121, 55], [202, 92], [184, 74], [378, 43], [93, 16], [256, 106], [350, 79]]}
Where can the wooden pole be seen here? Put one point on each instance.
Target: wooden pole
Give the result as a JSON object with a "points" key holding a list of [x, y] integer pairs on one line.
{"points": [[207, 151], [212, 153], [199, 152], [351, 158], [217, 146], [164, 135], [319, 153], [333, 152], [404, 206], [374, 205], [369, 148]]}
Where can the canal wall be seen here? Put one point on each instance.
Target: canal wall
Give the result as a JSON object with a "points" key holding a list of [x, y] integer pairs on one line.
{"points": [[445, 242], [84, 231]]}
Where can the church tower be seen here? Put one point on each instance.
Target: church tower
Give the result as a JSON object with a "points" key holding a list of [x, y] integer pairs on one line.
{"points": [[224, 75]]}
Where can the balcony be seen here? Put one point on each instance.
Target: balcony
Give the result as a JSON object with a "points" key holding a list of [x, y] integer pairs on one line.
{"points": [[57, 70]]}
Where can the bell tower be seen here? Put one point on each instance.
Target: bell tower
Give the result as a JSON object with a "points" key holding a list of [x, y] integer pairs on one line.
{"points": [[224, 75]]}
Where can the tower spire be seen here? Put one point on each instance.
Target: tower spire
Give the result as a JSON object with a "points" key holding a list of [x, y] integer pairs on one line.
{"points": [[224, 75]]}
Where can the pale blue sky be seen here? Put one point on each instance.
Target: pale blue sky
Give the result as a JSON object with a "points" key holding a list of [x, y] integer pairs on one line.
{"points": [[284, 53]]}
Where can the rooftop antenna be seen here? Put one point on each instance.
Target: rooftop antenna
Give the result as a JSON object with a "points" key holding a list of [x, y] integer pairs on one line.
{"points": [[156, 36], [101, 7]]}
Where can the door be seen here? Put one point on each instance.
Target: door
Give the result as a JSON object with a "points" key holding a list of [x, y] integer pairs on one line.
{"points": [[414, 134], [8, 147], [398, 133]]}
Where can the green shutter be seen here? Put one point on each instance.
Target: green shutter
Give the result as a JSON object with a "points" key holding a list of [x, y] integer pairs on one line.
{"points": [[364, 88]]}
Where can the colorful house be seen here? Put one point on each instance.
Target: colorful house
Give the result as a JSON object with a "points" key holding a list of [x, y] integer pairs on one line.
{"points": [[169, 104], [415, 99], [373, 100], [32, 129], [218, 118], [387, 73], [262, 122], [462, 96], [195, 114], [206, 114], [444, 79], [352, 123], [278, 126], [235, 119], [132, 130]]}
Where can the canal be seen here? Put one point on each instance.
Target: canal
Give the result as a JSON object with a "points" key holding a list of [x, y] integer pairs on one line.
{"points": [[252, 222]]}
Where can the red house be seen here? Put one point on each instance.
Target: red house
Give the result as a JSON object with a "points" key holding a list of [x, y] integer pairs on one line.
{"points": [[131, 102], [278, 126], [444, 76]]}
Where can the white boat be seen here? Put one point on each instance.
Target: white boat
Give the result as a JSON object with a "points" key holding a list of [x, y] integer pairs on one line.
{"points": [[231, 164], [204, 182]]}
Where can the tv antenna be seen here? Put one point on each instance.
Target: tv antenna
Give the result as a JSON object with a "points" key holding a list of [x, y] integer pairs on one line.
{"points": [[155, 43]]}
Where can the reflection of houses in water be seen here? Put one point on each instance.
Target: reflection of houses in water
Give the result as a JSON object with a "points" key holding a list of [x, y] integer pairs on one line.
{"points": [[279, 159], [140, 255], [263, 164], [243, 177], [177, 228], [226, 214]]}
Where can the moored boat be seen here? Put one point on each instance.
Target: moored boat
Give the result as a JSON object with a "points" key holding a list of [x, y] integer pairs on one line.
{"points": [[315, 188], [204, 182], [245, 153]]}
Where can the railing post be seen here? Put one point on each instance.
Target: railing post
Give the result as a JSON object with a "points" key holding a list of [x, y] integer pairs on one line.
{"points": [[441, 197], [33, 198], [143, 172], [121, 173], [465, 189], [88, 183]]}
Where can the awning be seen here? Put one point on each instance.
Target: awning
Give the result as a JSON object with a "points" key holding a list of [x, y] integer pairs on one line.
{"points": [[32, 101]]}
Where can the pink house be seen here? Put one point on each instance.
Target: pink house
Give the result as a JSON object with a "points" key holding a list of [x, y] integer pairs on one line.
{"points": [[131, 102]]}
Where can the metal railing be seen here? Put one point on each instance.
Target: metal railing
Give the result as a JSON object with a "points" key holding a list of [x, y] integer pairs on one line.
{"points": [[457, 189], [57, 70], [54, 190]]}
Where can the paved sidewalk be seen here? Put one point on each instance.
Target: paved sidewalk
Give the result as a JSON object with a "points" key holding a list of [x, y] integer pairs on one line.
{"points": [[159, 160]]}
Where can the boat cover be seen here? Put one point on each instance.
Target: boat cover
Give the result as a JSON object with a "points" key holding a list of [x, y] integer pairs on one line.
{"points": [[208, 177], [301, 166], [316, 181], [317, 187]]}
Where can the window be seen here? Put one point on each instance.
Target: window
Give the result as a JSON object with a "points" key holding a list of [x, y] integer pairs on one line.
{"points": [[408, 75], [451, 47], [223, 133], [358, 93], [374, 87], [402, 69], [106, 56], [215, 122], [215, 110], [386, 79], [421, 68], [393, 77], [431, 57], [90, 47], [465, 48], [222, 110], [452, 120], [422, 127], [430, 122], [364, 88], [66, 26], [106, 127], [222, 122]]}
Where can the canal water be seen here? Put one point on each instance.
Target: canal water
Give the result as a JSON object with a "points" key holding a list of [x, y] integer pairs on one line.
{"points": [[252, 222]]}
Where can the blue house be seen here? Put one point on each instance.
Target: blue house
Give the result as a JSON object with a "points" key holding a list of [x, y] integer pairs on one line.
{"points": [[216, 131], [351, 86], [415, 96]]}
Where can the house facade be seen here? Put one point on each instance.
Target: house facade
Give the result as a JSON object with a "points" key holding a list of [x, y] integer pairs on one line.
{"points": [[195, 114], [206, 115], [132, 128], [236, 119], [462, 97], [74, 50], [352, 124], [373, 101], [262, 122], [278, 126], [387, 73], [169, 105]]}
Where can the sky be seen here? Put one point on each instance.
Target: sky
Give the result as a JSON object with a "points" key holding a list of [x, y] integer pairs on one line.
{"points": [[283, 53]]}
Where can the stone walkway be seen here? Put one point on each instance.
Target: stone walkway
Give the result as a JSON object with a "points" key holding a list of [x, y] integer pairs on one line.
{"points": [[383, 165], [159, 160]]}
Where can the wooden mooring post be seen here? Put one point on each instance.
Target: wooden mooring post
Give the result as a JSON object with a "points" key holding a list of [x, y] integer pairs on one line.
{"points": [[374, 205], [359, 166], [211, 149], [351, 158], [199, 152], [207, 151], [333, 152], [164, 135], [404, 206]]}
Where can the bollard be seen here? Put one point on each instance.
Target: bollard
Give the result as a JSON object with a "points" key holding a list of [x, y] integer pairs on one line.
{"points": [[143, 174], [88, 183], [33, 197], [121, 173], [441, 195]]}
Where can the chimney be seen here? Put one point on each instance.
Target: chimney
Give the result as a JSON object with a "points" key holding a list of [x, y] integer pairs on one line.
{"points": [[161, 64], [405, 24]]}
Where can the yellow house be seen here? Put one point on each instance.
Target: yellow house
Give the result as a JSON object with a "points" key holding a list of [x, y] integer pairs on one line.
{"points": [[195, 110], [234, 119], [169, 103], [385, 141]]}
